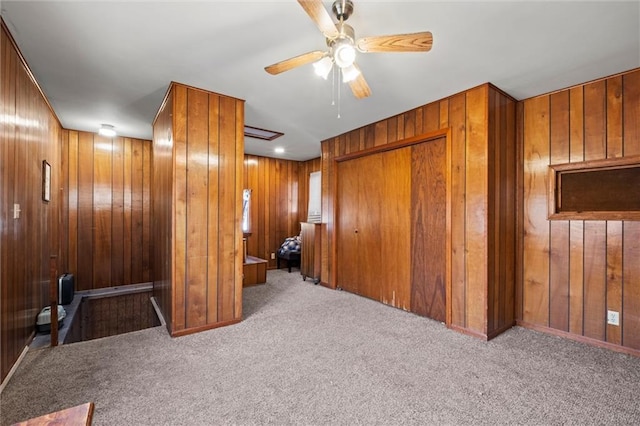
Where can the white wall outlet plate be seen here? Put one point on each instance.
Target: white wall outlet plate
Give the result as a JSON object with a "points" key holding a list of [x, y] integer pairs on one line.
{"points": [[613, 318]]}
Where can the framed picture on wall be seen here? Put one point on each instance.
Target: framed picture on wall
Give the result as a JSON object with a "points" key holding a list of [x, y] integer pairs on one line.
{"points": [[46, 181]]}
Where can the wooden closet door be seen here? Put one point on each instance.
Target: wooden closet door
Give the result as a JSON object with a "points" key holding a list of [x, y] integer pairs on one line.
{"points": [[428, 229], [395, 227], [371, 202], [373, 226], [346, 224]]}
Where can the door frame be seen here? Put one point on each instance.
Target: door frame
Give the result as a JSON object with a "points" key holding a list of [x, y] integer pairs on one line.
{"points": [[425, 137]]}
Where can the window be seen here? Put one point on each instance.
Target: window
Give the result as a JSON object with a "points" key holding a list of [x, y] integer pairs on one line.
{"points": [[595, 190]]}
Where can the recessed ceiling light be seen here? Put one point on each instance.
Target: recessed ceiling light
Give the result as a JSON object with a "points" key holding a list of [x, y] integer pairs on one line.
{"points": [[279, 150], [107, 130]]}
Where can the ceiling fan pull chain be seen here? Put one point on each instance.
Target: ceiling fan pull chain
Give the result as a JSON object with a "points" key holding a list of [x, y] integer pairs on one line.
{"points": [[339, 99], [333, 86]]}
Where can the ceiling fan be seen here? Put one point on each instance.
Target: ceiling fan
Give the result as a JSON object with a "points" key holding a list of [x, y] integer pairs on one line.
{"points": [[343, 46]]}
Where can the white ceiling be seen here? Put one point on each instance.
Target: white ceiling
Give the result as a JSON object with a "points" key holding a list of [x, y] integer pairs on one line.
{"points": [[111, 62]]}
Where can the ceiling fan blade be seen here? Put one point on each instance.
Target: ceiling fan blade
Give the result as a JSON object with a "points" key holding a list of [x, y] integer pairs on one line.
{"points": [[415, 42], [320, 16], [294, 62], [359, 86]]}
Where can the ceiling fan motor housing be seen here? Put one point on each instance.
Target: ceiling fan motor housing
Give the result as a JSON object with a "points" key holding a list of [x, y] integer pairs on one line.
{"points": [[342, 9]]}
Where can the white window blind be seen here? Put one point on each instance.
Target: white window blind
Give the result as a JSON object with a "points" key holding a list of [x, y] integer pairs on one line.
{"points": [[314, 214]]}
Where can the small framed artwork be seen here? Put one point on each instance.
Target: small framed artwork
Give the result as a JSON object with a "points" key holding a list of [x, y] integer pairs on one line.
{"points": [[46, 181]]}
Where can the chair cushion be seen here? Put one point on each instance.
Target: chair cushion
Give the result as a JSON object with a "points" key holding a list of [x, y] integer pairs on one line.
{"points": [[291, 244]]}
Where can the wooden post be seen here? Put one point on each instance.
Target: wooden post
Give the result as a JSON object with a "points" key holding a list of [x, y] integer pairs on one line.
{"points": [[53, 297]]}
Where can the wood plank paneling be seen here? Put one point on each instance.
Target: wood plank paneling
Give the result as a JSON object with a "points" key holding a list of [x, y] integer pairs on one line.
{"points": [[198, 166], [101, 209], [595, 273], [117, 213], [137, 211], [179, 215], [559, 230], [29, 134], [197, 207], [274, 220], [576, 228], [502, 212], [163, 195], [592, 258], [481, 138], [107, 234], [84, 255], [613, 281], [477, 208], [631, 284], [228, 215], [457, 117], [536, 234], [213, 220]]}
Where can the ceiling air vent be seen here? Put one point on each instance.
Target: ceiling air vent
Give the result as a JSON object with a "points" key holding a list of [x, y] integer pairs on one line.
{"points": [[267, 135]]}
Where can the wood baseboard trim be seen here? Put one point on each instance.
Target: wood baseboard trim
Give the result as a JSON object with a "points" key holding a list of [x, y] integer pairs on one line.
{"points": [[478, 335], [468, 332], [581, 339], [15, 366], [192, 330], [499, 331], [327, 285]]}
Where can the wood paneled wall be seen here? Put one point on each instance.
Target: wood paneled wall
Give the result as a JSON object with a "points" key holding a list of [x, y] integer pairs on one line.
{"points": [[572, 271], [482, 172], [279, 201], [29, 134], [106, 221], [198, 180]]}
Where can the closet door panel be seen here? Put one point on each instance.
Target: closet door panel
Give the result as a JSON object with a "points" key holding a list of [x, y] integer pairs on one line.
{"points": [[346, 223], [369, 228], [428, 233], [395, 226]]}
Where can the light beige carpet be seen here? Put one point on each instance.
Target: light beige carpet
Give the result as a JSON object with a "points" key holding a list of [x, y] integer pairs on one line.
{"points": [[311, 356]]}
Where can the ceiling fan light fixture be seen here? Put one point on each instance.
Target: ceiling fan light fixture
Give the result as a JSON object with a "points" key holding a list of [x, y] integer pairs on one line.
{"points": [[350, 73], [323, 67], [344, 54]]}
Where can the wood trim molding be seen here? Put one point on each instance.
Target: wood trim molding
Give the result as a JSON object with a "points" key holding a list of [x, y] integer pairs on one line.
{"points": [[448, 257], [594, 165], [193, 330], [468, 332], [578, 338], [395, 145]]}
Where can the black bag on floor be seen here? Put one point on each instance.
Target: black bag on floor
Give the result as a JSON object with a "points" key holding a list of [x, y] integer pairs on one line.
{"points": [[65, 289]]}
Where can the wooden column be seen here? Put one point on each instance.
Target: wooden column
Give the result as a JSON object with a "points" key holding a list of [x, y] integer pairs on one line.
{"points": [[198, 151]]}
